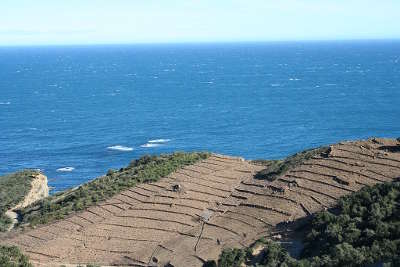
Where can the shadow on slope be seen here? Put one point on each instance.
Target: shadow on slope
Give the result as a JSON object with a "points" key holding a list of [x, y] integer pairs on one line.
{"points": [[362, 230]]}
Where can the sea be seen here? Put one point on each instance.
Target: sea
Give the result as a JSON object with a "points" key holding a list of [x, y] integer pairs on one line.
{"points": [[76, 111]]}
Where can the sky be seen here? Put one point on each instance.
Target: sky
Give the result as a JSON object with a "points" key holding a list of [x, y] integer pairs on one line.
{"points": [[63, 22]]}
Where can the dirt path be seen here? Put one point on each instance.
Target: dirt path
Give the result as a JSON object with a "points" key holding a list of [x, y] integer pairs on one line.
{"points": [[155, 224], [14, 218], [39, 190]]}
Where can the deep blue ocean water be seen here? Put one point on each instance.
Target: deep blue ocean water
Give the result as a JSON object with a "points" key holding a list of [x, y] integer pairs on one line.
{"points": [[76, 112]]}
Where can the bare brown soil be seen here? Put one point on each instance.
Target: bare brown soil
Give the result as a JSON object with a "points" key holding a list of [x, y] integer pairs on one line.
{"points": [[157, 223]]}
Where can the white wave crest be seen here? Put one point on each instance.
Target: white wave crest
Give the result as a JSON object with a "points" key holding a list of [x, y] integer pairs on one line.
{"points": [[66, 169], [5, 103], [159, 141], [120, 148], [147, 145]]}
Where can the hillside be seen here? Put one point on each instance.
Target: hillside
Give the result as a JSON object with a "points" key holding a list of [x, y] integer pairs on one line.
{"points": [[192, 214], [144, 170], [19, 190], [362, 230]]}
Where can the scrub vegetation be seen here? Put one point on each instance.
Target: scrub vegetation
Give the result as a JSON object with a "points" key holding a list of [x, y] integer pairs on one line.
{"points": [[13, 188], [363, 230], [144, 170], [275, 168], [12, 257]]}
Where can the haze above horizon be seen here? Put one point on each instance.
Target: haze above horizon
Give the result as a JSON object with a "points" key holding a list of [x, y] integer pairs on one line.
{"points": [[45, 22]]}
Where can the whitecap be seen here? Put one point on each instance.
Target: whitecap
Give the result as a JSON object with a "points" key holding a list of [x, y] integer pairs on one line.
{"points": [[66, 169], [159, 141], [147, 145], [5, 103], [275, 84], [294, 79], [120, 148]]}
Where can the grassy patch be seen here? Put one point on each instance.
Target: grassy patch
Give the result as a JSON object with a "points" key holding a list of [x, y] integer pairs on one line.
{"points": [[144, 170], [13, 188], [275, 168], [12, 257], [365, 231]]}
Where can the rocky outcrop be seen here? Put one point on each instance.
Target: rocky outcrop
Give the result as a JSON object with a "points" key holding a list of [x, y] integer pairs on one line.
{"points": [[39, 190]]}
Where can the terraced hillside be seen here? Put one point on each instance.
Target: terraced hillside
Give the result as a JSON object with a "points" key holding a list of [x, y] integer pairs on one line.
{"points": [[191, 215]]}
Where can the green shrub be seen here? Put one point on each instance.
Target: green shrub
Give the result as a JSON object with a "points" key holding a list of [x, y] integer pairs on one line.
{"points": [[275, 255], [232, 258], [5, 222], [210, 263], [13, 189], [275, 168], [12, 257], [143, 170], [364, 230]]}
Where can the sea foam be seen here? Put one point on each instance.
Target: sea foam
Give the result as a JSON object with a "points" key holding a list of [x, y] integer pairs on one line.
{"points": [[66, 169], [120, 148], [158, 141], [155, 143], [147, 145]]}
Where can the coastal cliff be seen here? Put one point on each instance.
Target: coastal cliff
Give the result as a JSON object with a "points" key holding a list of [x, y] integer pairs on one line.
{"points": [[39, 190], [185, 209], [17, 191]]}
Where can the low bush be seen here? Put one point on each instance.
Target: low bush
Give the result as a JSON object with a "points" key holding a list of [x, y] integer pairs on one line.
{"points": [[143, 170], [13, 188], [232, 258], [275, 168], [364, 230], [12, 257]]}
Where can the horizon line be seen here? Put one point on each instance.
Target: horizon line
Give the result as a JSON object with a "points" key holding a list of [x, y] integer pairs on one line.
{"points": [[203, 42]]}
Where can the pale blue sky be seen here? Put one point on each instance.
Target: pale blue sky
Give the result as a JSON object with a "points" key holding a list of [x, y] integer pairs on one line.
{"points": [[28, 22]]}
